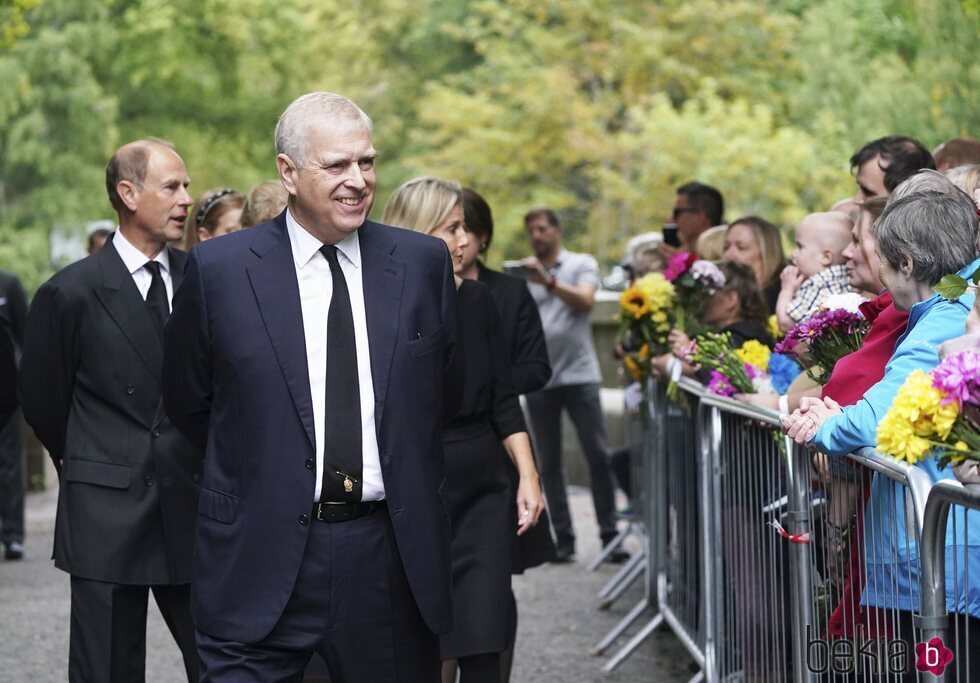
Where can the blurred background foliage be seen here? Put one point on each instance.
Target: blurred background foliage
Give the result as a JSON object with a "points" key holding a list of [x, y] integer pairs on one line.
{"points": [[599, 108]]}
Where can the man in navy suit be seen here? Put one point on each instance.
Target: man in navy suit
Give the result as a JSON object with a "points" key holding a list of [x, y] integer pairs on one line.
{"points": [[311, 356]]}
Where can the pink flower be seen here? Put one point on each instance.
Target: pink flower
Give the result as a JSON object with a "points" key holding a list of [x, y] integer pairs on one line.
{"points": [[719, 384], [678, 264], [959, 377]]}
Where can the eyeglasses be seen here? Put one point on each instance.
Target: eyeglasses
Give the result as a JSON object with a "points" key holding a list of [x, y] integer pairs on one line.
{"points": [[678, 210]]}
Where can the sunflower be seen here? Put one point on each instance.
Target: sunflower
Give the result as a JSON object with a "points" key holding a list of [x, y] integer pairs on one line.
{"points": [[634, 303]]}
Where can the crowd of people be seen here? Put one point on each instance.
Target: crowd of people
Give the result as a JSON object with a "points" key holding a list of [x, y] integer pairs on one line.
{"points": [[906, 228], [305, 437]]}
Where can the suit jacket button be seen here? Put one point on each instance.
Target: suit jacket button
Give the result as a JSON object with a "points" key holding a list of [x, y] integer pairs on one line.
{"points": [[156, 433], [130, 389], [304, 520], [148, 481], [309, 463]]}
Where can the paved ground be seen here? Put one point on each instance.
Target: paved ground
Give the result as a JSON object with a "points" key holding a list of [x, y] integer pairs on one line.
{"points": [[559, 621]]}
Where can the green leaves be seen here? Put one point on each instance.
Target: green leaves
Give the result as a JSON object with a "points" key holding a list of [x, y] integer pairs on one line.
{"points": [[599, 108], [953, 286]]}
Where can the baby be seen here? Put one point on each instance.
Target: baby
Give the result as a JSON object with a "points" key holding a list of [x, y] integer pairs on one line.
{"points": [[818, 267]]}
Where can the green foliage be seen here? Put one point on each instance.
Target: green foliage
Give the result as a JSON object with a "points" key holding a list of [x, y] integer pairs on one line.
{"points": [[598, 108], [12, 23]]}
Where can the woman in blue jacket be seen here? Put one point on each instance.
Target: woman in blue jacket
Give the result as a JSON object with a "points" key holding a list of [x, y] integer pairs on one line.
{"points": [[920, 238]]}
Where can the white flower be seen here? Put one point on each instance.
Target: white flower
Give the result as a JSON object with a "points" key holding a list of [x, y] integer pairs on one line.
{"points": [[708, 274], [850, 302]]}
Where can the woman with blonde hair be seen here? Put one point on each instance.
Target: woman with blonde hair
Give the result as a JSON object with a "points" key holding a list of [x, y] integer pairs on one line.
{"points": [[263, 202], [488, 427], [757, 243], [216, 213]]}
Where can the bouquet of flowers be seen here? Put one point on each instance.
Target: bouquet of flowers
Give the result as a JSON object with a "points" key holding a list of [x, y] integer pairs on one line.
{"points": [[694, 281], [936, 411], [823, 339], [749, 369], [733, 371], [644, 323]]}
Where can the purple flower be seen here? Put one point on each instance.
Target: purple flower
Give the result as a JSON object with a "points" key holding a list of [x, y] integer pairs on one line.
{"points": [[719, 384], [959, 377]]}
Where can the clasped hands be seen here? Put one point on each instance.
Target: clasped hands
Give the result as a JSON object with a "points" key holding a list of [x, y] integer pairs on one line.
{"points": [[804, 423]]}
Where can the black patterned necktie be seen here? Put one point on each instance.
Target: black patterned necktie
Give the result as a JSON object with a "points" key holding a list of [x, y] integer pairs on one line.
{"points": [[156, 296], [343, 463]]}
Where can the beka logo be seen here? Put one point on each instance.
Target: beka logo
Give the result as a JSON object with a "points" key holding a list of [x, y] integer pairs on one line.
{"points": [[933, 656]]}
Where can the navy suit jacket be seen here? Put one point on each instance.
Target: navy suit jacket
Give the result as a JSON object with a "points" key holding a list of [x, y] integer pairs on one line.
{"points": [[236, 383]]}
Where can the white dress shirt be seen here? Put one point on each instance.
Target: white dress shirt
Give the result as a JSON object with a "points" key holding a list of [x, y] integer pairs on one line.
{"points": [[135, 261], [315, 292]]}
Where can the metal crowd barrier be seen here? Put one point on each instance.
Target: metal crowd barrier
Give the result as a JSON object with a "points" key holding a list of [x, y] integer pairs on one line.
{"points": [[772, 563], [949, 580]]}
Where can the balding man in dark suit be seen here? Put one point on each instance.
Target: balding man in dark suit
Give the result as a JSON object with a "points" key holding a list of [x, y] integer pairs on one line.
{"points": [[90, 388]]}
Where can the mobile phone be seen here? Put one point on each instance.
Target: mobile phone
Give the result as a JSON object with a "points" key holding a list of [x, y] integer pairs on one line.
{"points": [[671, 238], [517, 269]]}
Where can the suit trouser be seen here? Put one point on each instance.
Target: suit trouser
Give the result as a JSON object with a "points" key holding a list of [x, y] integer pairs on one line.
{"points": [[351, 603], [583, 406], [12, 482], [108, 630]]}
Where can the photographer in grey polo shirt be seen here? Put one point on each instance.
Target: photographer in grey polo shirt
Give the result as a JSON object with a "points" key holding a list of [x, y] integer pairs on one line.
{"points": [[563, 285]]}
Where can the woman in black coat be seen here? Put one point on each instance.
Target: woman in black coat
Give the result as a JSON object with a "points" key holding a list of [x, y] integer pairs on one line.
{"points": [[523, 337]]}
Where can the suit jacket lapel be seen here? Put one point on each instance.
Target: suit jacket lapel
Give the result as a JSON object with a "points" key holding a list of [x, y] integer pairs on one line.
{"points": [[273, 279], [383, 279], [121, 298], [178, 261]]}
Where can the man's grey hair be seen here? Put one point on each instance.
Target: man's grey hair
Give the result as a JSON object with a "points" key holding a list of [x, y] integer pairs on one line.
{"points": [[935, 230], [925, 180], [308, 111]]}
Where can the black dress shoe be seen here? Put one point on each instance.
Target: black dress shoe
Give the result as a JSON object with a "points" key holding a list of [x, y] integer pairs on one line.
{"points": [[617, 556], [13, 551], [564, 556]]}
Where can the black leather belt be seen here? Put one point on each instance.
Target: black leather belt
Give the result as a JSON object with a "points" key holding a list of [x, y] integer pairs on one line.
{"points": [[332, 513]]}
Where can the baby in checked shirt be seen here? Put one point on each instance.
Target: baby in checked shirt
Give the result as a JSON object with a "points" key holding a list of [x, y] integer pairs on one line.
{"points": [[818, 267]]}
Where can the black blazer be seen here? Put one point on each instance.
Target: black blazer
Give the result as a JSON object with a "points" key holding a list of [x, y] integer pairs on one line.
{"points": [[90, 381], [520, 323], [236, 381]]}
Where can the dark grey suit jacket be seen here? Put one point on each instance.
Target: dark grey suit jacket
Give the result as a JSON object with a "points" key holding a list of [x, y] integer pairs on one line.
{"points": [[90, 383]]}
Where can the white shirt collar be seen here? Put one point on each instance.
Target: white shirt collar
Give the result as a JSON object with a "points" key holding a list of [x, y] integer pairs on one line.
{"points": [[133, 258], [305, 246]]}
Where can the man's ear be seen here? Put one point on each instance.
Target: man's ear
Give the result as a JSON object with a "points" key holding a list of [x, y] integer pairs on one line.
{"points": [[128, 193], [288, 172]]}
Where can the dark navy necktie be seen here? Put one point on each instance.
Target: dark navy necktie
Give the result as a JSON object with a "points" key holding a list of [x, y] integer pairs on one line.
{"points": [[343, 462], [156, 296]]}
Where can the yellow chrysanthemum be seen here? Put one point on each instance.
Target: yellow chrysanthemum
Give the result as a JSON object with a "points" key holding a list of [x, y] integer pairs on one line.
{"points": [[754, 353], [773, 328], [917, 415], [920, 403], [897, 438], [644, 352], [634, 303], [658, 290]]}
